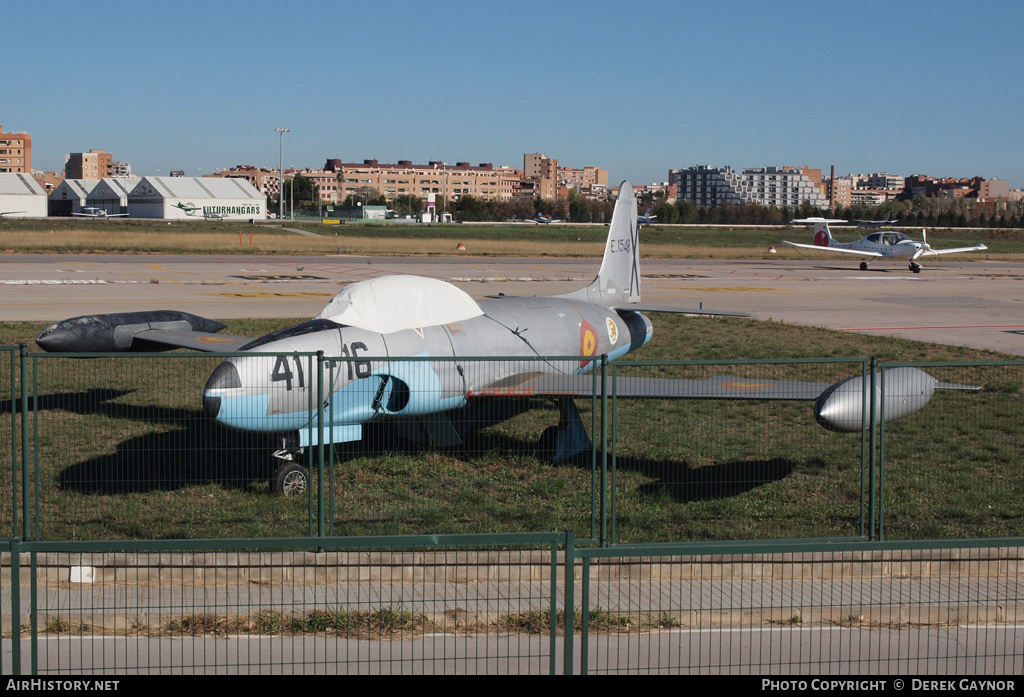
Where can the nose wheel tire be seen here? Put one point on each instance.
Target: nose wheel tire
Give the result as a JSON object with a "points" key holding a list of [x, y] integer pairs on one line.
{"points": [[290, 479]]}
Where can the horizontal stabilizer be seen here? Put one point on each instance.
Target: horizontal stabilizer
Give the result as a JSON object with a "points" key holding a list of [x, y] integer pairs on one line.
{"points": [[683, 310]]}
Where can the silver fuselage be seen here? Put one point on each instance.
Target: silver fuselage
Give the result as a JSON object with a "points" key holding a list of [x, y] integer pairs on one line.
{"points": [[371, 376]]}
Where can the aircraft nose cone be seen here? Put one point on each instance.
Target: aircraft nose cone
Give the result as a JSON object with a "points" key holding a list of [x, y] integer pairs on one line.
{"points": [[51, 338], [211, 405], [223, 378]]}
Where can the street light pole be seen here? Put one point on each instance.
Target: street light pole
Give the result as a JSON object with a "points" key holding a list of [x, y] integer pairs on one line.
{"points": [[280, 173]]}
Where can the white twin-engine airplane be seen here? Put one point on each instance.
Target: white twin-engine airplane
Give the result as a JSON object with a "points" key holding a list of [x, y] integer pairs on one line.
{"points": [[423, 354], [885, 243]]}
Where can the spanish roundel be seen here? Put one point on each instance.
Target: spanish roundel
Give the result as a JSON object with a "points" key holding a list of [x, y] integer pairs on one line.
{"points": [[821, 238], [588, 341]]}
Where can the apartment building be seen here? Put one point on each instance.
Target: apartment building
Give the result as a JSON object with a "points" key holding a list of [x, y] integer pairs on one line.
{"points": [[586, 180], [266, 181], [95, 164], [705, 185], [15, 152], [785, 186], [877, 180], [326, 181], [840, 191], [484, 181], [769, 186]]}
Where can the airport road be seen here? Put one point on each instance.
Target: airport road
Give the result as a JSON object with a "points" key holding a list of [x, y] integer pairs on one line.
{"points": [[974, 303]]}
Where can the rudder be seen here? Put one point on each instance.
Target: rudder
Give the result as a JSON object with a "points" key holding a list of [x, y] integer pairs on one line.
{"points": [[618, 280]]}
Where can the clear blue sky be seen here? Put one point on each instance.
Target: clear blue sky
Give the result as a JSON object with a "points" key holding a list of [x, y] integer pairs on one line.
{"points": [[634, 87]]}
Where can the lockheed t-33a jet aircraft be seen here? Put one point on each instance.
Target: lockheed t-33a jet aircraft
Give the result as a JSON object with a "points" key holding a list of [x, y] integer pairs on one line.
{"points": [[384, 335], [883, 244]]}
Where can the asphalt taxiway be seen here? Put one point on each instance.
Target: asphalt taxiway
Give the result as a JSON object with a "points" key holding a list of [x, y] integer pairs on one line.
{"points": [[974, 303]]}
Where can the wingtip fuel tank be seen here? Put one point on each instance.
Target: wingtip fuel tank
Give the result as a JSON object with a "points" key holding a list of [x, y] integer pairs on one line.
{"points": [[841, 407]]}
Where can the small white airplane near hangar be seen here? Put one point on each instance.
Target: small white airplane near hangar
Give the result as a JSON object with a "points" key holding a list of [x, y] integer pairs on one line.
{"points": [[91, 212], [886, 244]]}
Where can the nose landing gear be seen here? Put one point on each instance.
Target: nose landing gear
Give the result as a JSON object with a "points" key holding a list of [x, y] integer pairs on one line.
{"points": [[289, 478]]}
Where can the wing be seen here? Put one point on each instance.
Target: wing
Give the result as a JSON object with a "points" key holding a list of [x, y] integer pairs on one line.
{"points": [[548, 385], [838, 406], [196, 341], [842, 250], [955, 250]]}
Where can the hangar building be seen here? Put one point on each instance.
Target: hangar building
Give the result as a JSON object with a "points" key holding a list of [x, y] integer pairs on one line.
{"points": [[178, 198], [70, 196], [111, 194], [21, 196]]}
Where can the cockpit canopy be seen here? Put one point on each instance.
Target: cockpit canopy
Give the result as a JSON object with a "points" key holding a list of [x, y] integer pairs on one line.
{"points": [[889, 238], [392, 303]]}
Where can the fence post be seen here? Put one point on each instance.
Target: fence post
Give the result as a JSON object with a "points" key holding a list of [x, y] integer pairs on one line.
{"points": [[570, 601], [23, 351], [604, 450], [320, 443], [881, 458], [15, 414], [872, 445], [585, 617], [15, 607]]}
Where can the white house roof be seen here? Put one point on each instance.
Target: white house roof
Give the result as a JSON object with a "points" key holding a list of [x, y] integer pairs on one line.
{"points": [[17, 183], [196, 188], [392, 303]]}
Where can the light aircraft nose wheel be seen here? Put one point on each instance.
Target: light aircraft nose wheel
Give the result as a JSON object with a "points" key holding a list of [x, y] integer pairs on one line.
{"points": [[863, 266], [915, 267], [290, 479]]}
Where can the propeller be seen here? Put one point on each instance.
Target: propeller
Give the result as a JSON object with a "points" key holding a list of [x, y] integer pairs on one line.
{"points": [[923, 247]]}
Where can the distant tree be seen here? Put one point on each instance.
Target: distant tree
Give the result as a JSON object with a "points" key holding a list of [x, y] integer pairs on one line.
{"points": [[407, 204], [305, 191], [467, 208], [579, 212], [667, 213], [686, 211]]}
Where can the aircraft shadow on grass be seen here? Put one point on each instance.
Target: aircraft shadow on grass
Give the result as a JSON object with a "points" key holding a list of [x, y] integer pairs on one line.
{"points": [[197, 450], [194, 451]]}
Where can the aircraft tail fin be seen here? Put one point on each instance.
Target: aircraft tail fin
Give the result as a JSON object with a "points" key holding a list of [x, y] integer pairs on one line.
{"points": [[822, 236], [618, 281]]}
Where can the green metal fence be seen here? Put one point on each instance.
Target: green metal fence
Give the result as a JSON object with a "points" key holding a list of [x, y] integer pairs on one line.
{"points": [[438, 604], [803, 609], [512, 604], [955, 469], [119, 447]]}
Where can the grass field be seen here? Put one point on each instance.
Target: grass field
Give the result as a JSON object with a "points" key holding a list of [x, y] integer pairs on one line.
{"points": [[125, 451], [67, 235]]}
